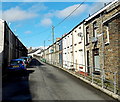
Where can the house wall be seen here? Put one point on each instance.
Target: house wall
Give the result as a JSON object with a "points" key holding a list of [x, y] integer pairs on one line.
{"points": [[10, 46], [65, 52], [108, 46], [1, 43], [71, 51], [61, 52], [78, 48]]}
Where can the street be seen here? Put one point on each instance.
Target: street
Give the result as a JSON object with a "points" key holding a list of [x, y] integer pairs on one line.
{"points": [[50, 83], [44, 82]]}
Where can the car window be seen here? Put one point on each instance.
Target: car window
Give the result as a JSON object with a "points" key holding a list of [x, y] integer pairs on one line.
{"points": [[21, 62], [16, 62]]}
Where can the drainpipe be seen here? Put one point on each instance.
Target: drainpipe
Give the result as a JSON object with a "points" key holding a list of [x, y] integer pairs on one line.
{"points": [[103, 47]]}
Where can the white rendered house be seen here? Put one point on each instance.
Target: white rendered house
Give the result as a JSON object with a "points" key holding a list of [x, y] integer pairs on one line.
{"points": [[78, 48]]}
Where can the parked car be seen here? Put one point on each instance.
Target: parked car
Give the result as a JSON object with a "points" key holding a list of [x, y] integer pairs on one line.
{"points": [[30, 58], [26, 60], [16, 65]]}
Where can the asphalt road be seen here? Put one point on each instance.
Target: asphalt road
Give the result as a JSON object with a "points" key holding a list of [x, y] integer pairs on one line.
{"points": [[50, 83], [44, 82], [15, 88]]}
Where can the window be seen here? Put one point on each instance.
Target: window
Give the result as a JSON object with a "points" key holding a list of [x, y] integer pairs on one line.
{"points": [[106, 34], [88, 64], [95, 29], [80, 36], [81, 57], [75, 44], [71, 52], [96, 60], [87, 35]]}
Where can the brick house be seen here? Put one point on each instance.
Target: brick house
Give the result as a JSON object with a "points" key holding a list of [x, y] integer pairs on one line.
{"points": [[102, 40]]}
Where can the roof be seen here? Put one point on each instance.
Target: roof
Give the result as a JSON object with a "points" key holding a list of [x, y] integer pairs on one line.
{"points": [[1, 20], [33, 51], [111, 18], [100, 11]]}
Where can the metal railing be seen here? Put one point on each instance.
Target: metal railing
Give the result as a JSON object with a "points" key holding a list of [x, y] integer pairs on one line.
{"points": [[103, 78]]}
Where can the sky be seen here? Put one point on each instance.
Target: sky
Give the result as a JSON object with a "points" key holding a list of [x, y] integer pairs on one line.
{"points": [[32, 21]]}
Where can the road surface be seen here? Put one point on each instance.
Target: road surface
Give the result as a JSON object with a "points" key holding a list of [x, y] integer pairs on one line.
{"points": [[44, 82], [50, 83]]}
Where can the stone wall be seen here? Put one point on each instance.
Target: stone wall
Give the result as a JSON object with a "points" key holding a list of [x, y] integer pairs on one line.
{"points": [[108, 53]]}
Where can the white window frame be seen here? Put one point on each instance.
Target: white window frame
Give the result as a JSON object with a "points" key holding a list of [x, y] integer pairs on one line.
{"points": [[108, 40]]}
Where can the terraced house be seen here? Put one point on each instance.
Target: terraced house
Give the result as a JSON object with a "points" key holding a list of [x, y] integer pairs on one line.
{"points": [[102, 41], [92, 48]]}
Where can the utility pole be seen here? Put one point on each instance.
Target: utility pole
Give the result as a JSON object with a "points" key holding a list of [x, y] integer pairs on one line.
{"points": [[44, 44], [53, 44], [53, 34], [44, 49]]}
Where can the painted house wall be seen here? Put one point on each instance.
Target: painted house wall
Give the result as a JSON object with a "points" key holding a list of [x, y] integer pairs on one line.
{"points": [[65, 52], [71, 51], [68, 50], [1, 42], [78, 48], [61, 53]]}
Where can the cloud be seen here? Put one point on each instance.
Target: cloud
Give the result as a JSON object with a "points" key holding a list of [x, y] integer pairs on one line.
{"points": [[95, 7], [46, 22], [56, 0], [27, 32], [38, 7], [0, 14], [65, 12], [35, 0], [17, 14], [28, 1], [0, 10], [49, 15]]}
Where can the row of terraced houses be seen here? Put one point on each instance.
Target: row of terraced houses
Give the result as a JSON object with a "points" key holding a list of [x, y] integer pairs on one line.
{"points": [[92, 47]]}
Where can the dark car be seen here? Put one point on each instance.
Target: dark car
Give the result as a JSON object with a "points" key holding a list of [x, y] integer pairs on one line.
{"points": [[16, 65]]}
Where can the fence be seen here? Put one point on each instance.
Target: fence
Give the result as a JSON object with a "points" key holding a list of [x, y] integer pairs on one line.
{"points": [[103, 78]]}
